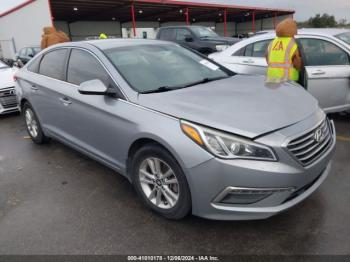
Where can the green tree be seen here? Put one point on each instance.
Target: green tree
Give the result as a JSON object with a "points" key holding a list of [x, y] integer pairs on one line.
{"points": [[321, 21]]}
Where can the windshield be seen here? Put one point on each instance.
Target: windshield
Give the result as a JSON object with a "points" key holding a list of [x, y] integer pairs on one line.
{"points": [[3, 65], [152, 68], [344, 37], [203, 32]]}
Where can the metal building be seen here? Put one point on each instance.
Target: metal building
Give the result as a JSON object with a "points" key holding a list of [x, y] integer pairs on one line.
{"points": [[22, 25]]}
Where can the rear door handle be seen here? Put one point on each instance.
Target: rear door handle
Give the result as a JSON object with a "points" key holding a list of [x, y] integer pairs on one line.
{"points": [[65, 101], [34, 88], [250, 61]]}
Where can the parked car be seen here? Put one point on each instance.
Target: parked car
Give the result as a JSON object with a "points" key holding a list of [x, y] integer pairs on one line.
{"points": [[326, 55], [199, 38], [27, 53], [189, 134], [8, 102]]}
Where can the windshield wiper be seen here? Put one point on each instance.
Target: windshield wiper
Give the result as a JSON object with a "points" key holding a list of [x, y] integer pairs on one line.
{"points": [[204, 80], [171, 88], [159, 90]]}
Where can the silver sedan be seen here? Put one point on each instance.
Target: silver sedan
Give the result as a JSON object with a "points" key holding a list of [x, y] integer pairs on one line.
{"points": [[326, 55], [190, 135]]}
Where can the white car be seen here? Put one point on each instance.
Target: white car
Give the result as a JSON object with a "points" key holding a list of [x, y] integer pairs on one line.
{"points": [[8, 102], [326, 55]]}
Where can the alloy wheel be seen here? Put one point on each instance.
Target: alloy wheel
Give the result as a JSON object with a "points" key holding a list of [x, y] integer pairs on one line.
{"points": [[159, 183], [31, 122]]}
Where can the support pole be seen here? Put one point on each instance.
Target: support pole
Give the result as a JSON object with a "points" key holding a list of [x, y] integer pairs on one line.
{"points": [[253, 22], [275, 20], [187, 16], [225, 22], [133, 19], [50, 9]]}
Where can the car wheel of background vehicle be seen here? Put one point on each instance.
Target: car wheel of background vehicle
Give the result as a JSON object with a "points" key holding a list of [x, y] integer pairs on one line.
{"points": [[33, 125], [160, 182]]}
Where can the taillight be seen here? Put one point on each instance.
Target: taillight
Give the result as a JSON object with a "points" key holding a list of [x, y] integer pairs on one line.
{"points": [[15, 78]]}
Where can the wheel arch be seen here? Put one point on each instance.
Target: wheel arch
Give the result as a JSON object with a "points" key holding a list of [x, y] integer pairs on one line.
{"points": [[145, 140], [22, 102]]}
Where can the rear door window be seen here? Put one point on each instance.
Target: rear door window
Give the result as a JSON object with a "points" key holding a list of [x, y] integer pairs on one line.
{"points": [[53, 64], [167, 34], [257, 49], [30, 52], [22, 52], [182, 33], [320, 52], [260, 48], [83, 67]]}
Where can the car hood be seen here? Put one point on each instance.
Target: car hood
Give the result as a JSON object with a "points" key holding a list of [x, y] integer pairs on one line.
{"points": [[223, 40], [243, 105], [6, 77]]}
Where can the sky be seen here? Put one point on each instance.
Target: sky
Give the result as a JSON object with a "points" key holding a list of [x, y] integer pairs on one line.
{"points": [[304, 8]]}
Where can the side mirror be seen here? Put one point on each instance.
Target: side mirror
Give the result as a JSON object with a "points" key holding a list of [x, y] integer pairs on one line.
{"points": [[188, 38], [31, 55], [93, 87]]}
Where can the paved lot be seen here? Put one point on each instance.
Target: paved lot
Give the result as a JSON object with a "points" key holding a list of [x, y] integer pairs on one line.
{"points": [[54, 200]]}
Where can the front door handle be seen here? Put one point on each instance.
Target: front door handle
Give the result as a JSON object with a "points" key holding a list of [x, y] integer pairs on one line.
{"points": [[65, 101], [319, 73]]}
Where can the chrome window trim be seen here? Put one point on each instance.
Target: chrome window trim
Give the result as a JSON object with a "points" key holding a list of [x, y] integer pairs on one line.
{"points": [[83, 49], [119, 99]]}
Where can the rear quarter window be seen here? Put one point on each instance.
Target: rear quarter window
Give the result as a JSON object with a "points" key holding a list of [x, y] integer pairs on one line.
{"points": [[34, 65]]}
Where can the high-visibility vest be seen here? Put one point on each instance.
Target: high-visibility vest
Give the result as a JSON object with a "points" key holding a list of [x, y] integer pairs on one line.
{"points": [[103, 36], [280, 59]]}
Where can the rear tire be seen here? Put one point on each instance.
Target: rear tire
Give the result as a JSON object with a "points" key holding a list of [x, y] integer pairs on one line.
{"points": [[160, 182], [33, 125]]}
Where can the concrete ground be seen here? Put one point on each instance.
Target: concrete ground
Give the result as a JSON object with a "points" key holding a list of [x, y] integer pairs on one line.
{"points": [[54, 200]]}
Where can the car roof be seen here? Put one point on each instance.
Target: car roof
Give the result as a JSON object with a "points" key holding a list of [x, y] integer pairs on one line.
{"points": [[180, 26], [113, 43], [306, 31], [323, 31]]}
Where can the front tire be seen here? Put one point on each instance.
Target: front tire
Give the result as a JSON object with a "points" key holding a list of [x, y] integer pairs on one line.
{"points": [[33, 125], [160, 182]]}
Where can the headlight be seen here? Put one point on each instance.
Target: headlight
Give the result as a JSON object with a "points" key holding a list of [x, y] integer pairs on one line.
{"points": [[225, 145], [222, 47]]}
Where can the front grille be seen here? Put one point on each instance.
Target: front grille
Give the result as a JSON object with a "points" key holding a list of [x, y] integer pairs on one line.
{"points": [[8, 98], [311, 146]]}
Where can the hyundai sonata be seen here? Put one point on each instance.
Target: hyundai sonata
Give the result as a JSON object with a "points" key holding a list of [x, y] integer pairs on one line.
{"points": [[190, 135]]}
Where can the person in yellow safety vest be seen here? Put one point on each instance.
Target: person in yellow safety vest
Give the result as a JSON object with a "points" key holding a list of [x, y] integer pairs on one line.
{"points": [[283, 57], [103, 36]]}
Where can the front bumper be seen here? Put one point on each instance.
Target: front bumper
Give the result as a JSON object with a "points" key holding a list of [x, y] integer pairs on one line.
{"points": [[287, 182], [8, 101]]}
